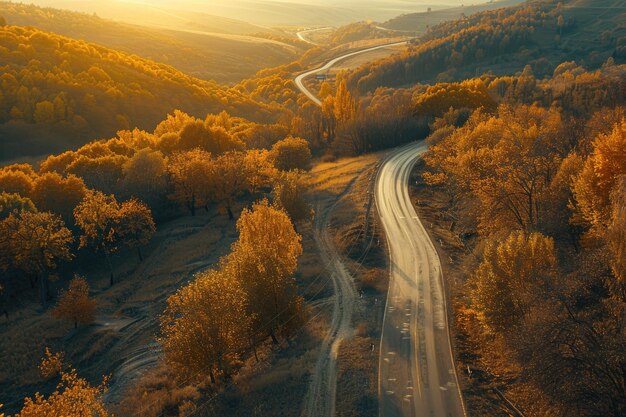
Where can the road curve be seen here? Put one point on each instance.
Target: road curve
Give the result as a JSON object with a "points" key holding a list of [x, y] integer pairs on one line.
{"points": [[417, 375], [304, 32], [299, 80]]}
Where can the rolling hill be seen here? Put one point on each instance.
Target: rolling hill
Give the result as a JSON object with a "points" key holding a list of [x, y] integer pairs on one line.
{"points": [[57, 93], [542, 34], [208, 47], [418, 23]]}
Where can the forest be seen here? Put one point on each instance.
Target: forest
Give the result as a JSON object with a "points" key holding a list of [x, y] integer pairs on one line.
{"points": [[542, 34], [58, 93], [107, 154]]}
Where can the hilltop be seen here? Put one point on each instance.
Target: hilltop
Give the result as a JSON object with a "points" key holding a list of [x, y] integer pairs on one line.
{"points": [[542, 34], [418, 23]]}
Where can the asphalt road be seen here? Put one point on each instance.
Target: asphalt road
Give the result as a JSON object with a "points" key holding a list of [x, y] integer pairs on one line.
{"points": [[417, 376], [299, 80]]}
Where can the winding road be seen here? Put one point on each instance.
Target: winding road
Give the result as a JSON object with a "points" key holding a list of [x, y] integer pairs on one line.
{"points": [[417, 375], [299, 80]]}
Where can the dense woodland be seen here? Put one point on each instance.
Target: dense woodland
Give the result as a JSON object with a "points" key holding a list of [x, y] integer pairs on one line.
{"points": [[540, 33], [531, 158], [57, 93]]}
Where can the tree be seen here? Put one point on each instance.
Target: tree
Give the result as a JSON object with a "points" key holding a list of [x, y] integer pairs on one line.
{"points": [[74, 304], [44, 112], [96, 216], [594, 185], [52, 192], [228, 180], [15, 182], [11, 203], [204, 326], [512, 276], [291, 153], [74, 396], [190, 172], [135, 226], [51, 364], [288, 195], [145, 176], [345, 106], [259, 170], [264, 260], [37, 242], [616, 233]]}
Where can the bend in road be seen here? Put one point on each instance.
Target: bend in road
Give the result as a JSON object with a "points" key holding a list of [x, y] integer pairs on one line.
{"points": [[299, 80], [417, 375]]}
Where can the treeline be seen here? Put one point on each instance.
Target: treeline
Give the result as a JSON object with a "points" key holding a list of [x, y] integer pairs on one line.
{"points": [[500, 41], [56, 92], [108, 194], [388, 117], [536, 195]]}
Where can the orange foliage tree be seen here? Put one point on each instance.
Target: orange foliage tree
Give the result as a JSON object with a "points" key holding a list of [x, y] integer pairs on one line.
{"points": [[74, 303]]}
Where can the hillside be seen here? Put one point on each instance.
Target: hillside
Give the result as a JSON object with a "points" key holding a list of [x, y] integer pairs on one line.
{"points": [[542, 34], [57, 92], [210, 48], [418, 23]]}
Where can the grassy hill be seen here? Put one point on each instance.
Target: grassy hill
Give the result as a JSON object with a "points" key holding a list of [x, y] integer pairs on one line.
{"points": [[57, 93], [419, 22], [541, 34], [211, 48]]}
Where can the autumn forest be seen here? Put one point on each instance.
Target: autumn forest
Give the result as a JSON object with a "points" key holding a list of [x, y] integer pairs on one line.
{"points": [[313, 210]]}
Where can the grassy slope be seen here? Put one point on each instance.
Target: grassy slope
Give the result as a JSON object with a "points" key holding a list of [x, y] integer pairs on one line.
{"points": [[201, 50], [417, 23]]}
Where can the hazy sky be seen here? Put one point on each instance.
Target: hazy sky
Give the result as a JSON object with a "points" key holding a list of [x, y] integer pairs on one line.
{"points": [[262, 12]]}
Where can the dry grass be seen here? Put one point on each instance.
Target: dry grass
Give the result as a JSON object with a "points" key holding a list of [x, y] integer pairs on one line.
{"points": [[127, 313], [357, 236]]}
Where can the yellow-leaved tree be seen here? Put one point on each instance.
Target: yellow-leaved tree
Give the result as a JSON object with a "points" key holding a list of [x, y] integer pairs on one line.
{"points": [[594, 185], [264, 260], [96, 216], [511, 278], [288, 194], [204, 326], [74, 396], [74, 303], [135, 226], [36, 243], [190, 173]]}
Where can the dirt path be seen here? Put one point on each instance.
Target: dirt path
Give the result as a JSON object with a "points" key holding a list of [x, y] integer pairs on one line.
{"points": [[320, 399]]}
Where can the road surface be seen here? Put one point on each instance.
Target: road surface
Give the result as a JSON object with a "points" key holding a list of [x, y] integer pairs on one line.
{"points": [[302, 37], [417, 376], [299, 80]]}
